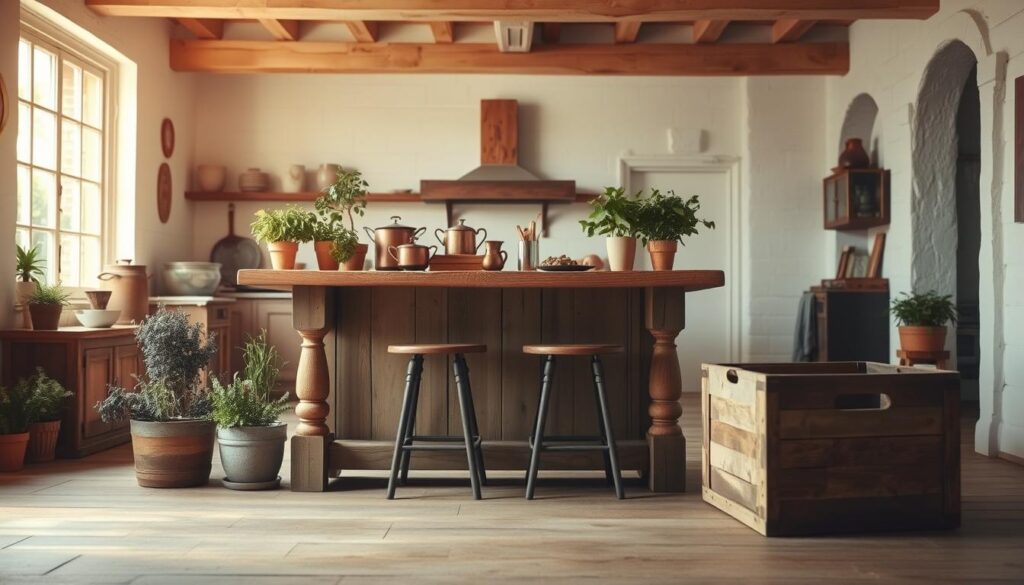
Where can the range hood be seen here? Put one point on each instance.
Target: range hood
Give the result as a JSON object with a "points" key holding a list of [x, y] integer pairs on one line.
{"points": [[499, 176]]}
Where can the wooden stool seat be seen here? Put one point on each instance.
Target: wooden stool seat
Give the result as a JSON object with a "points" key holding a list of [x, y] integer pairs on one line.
{"points": [[573, 349], [437, 348], [912, 358]]}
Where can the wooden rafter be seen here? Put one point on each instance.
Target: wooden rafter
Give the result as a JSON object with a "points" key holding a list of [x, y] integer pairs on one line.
{"points": [[626, 31], [203, 28], [555, 59], [444, 32], [789, 30], [708, 31], [283, 30], [363, 32], [547, 11], [552, 32]]}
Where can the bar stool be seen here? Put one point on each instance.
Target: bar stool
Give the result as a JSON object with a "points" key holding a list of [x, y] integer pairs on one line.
{"points": [[605, 441], [405, 438]]}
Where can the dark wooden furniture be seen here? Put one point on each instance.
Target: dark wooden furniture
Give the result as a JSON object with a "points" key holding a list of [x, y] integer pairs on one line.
{"points": [[853, 323], [348, 318], [856, 199], [86, 361], [913, 358], [604, 441], [406, 439], [794, 449]]}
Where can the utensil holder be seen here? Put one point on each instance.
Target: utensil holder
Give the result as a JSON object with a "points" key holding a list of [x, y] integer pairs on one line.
{"points": [[529, 255]]}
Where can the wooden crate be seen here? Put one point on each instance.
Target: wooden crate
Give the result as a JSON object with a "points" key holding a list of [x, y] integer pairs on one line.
{"points": [[818, 448]]}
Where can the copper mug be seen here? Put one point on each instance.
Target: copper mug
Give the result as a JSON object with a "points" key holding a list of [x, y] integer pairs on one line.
{"points": [[460, 239], [412, 256], [494, 256]]}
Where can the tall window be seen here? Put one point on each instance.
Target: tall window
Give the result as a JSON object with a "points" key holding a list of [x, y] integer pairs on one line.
{"points": [[62, 140]]}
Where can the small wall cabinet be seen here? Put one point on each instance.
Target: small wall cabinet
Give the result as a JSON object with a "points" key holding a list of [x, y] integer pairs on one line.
{"points": [[856, 199]]}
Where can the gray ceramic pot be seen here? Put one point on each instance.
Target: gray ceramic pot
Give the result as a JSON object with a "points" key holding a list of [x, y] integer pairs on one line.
{"points": [[252, 455]]}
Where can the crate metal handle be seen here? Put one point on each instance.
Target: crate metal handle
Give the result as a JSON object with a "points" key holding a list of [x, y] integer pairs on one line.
{"points": [[732, 376], [857, 402]]}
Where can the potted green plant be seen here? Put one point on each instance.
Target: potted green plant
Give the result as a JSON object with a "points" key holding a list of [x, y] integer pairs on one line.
{"points": [[14, 421], [169, 410], [922, 320], [250, 436], [46, 304], [283, 230], [664, 220], [28, 269], [340, 201], [46, 407], [614, 215]]}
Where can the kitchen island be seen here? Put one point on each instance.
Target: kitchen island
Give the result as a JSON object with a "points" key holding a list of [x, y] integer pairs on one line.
{"points": [[349, 387]]}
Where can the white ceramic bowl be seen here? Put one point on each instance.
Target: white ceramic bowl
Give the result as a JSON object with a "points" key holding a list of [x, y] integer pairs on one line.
{"points": [[98, 318], [191, 279]]}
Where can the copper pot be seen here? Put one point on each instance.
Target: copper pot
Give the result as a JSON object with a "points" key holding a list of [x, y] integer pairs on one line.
{"points": [[388, 236], [412, 256], [460, 239]]}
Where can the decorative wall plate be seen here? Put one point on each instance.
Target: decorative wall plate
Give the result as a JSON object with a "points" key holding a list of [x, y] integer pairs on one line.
{"points": [[4, 108], [167, 137], [163, 193]]}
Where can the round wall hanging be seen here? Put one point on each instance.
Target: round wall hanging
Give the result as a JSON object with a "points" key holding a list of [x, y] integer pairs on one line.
{"points": [[4, 110], [167, 137], [163, 193]]}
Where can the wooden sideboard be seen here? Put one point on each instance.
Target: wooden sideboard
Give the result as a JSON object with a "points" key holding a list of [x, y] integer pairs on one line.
{"points": [[86, 361]]}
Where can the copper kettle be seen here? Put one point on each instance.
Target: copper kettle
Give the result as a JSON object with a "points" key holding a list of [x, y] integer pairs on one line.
{"points": [[460, 239], [391, 235], [412, 256]]}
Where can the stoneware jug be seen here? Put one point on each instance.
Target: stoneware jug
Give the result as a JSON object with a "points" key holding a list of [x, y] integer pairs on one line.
{"points": [[494, 256], [295, 179], [326, 175]]}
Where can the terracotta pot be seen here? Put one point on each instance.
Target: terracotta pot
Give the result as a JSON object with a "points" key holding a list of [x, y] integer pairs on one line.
{"points": [[621, 253], [282, 255], [922, 338], [324, 260], [12, 451], [173, 454], [129, 286], [663, 253], [854, 156], [42, 441], [45, 317], [22, 291], [358, 259]]}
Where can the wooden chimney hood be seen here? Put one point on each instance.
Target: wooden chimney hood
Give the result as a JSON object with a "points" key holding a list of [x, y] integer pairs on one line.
{"points": [[499, 176]]}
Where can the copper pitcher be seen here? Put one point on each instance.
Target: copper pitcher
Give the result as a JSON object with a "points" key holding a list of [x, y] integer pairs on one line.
{"points": [[460, 239], [494, 256], [412, 256], [391, 235]]}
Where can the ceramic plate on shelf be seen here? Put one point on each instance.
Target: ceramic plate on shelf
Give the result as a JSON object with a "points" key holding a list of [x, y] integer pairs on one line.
{"points": [[570, 268]]}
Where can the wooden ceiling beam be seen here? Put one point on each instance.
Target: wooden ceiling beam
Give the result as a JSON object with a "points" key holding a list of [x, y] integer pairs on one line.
{"points": [[444, 32], [203, 28], [362, 31], [283, 30], [547, 11], [708, 31], [626, 31], [631, 59], [789, 31]]}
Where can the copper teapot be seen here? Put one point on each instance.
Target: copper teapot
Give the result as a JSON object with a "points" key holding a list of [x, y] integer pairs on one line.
{"points": [[412, 256], [388, 236], [460, 239]]}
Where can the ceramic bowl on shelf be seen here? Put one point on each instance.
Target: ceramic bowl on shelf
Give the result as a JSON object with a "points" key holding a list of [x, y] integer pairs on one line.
{"points": [[211, 178], [197, 279], [97, 318], [253, 180]]}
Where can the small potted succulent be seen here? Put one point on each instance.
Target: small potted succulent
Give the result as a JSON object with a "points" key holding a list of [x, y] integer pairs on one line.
{"points": [[614, 215], [283, 230], [250, 436], [169, 410], [28, 269], [46, 407], [922, 320], [340, 201], [46, 304], [15, 417], [664, 220]]}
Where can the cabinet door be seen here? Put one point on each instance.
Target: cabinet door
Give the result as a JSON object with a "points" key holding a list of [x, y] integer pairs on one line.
{"points": [[221, 362], [275, 316], [97, 374], [241, 327]]}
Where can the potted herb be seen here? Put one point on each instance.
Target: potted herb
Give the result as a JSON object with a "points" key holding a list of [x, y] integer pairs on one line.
{"points": [[614, 215], [665, 219], [28, 269], [283, 230], [46, 304], [169, 411], [14, 421], [250, 436], [922, 320], [340, 201], [46, 407]]}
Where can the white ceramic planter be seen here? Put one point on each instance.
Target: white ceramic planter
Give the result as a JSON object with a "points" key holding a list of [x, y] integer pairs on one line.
{"points": [[621, 253], [252, 456]]}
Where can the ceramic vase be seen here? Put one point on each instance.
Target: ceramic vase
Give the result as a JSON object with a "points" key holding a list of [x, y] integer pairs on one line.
{"points": [[211, 178], [253, 181], [295, 179], [326, 175], [854, 156], [22, 291], [621, 253]]}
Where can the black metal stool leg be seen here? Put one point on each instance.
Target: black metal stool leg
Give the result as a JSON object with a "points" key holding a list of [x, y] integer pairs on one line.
{"points": [[411, 381], [604, 437], [410, 429], [538, 428], [602, 400], [461, 379], [475, 428]]}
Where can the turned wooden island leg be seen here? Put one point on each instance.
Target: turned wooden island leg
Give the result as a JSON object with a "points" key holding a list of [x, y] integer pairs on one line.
{"points": [[664, 317], [312, 387]]}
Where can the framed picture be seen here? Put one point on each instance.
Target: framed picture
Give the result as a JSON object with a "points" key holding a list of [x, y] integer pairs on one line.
{"points": [[844, 262], [877, 252], [1018, 143]]}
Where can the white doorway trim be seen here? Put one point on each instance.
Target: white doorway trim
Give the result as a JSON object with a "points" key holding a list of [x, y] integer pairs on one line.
{"points": [[729, 166]]}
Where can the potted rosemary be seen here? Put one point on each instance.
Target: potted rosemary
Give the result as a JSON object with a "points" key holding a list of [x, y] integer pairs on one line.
{"points": [[922, 320], [664, 220], [46, 304], [340, 201], [250, 436], [283, 230], [28, 270], [614, 215], [169, 411], [46, 407]]}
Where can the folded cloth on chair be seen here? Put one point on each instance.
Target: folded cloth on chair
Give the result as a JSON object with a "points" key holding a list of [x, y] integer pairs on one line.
{"points": [[805, 338]]}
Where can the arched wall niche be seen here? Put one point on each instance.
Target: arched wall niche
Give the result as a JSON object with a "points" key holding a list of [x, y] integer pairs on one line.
{"points": [[859, 122]]}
